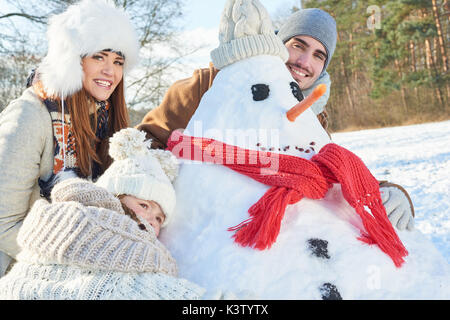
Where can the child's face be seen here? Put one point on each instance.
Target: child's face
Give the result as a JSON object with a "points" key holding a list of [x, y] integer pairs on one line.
{"points": [[148, 210]]}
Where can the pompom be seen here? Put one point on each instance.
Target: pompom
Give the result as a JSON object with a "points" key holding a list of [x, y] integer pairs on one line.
{"points": [[128, 143], [169, 163]]}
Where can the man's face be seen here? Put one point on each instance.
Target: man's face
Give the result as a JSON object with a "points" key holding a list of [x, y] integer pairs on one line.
{"points": [[307, 58]]}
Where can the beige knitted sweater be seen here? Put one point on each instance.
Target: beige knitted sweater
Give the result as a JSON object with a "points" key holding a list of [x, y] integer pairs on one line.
{"points": [[26, 153], [78, 250]]}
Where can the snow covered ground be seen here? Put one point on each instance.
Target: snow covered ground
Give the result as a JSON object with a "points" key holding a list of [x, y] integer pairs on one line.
{"points": [[418, 158]]}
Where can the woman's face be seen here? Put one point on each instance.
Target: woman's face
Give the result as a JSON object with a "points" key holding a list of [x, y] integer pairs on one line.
{"points": [[102, 73]]}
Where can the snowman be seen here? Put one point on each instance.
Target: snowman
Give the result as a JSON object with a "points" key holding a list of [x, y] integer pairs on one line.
{"points": [[267, 206]]}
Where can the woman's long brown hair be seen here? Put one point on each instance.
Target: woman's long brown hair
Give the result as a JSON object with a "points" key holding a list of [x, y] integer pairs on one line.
{"points": [[84, 131]]}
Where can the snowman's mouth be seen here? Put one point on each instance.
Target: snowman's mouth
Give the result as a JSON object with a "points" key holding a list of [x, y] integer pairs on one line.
{"points": [[300, 149]]}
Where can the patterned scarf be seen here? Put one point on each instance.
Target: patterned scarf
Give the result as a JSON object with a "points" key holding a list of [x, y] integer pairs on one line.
{"points": [[65, 155]]}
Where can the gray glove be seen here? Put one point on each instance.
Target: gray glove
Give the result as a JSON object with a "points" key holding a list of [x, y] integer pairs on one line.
{"points": [[397, 207]]}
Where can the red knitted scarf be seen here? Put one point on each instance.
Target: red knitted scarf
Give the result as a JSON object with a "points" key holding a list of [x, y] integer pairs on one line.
{"points": [[292, 178]]}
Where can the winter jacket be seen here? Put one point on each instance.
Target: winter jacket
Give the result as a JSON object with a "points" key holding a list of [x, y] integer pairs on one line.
{"points": [[89, 249], [26, 154], [183, 98]]}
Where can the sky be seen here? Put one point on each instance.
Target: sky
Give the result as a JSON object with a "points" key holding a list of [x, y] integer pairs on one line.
{"points": [[206, 13]]}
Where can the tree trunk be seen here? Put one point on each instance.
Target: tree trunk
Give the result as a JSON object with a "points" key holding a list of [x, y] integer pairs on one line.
{"points": [[347, 86], [346, 80], [402, 88], [414, 67], [428, 57], [421, 64], [440, 37], [431, 66], [413, 56], [406, 58], [435, 51], [352, 58]]}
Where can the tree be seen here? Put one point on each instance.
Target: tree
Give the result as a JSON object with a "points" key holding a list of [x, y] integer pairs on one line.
{"points": [[394, 73]]}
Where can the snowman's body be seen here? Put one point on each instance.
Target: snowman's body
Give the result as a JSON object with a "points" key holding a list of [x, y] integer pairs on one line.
{"points": [[212, 198]]}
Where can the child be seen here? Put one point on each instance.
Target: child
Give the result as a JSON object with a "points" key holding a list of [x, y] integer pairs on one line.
{"points": [[82, 245], [141, 178]]}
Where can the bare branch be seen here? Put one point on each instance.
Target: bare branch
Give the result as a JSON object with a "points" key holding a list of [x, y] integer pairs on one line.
{"points": [[37, 19]]}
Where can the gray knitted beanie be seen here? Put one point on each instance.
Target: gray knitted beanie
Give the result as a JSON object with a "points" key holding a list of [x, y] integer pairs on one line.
{"points": [[246, 31], [315, 23]]}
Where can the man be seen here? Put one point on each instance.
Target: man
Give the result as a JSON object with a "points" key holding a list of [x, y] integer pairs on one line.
{"points": [[310, 37]]}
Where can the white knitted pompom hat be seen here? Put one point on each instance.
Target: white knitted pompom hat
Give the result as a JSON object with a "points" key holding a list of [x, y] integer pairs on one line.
{"points": [[140, 171], [83, 29], [245, 31]]}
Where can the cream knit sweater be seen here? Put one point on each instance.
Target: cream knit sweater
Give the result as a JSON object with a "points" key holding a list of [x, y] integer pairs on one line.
{"points": [[26, 153], [71, 250]]}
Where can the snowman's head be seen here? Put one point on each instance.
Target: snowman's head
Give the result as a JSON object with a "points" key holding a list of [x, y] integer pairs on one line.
{"points": [[254, 90], [247, 106]]}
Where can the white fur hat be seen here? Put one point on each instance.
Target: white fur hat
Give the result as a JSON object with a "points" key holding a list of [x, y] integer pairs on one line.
{"points": [[245, 31], [140, 171], [84, 29]]}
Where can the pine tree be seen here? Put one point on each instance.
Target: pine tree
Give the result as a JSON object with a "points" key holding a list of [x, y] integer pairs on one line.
{"points": [[384, 71]]}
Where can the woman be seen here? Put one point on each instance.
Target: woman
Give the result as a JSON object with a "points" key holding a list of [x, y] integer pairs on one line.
{"points": [[63, 121]]}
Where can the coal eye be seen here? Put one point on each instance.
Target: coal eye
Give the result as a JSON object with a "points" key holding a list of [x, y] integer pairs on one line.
{"points": [[260, 91], [296, 91]]}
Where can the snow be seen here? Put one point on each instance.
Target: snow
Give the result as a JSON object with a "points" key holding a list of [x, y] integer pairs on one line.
{"points": [[212, 198], [417, 157]]}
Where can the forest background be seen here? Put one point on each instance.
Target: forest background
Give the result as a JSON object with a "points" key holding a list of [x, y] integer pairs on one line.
{"points": [[390, 66]]}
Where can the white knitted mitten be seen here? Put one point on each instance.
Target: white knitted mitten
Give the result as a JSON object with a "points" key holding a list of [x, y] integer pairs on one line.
{"points": [[397, 207]]}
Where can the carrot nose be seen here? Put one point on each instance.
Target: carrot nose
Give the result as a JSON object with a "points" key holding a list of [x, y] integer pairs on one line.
{"points": [[300, 107]]}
